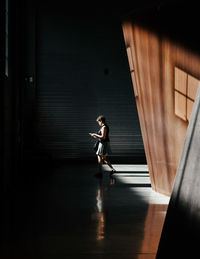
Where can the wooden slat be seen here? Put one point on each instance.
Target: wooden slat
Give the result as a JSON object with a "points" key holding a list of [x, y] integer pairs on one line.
{"points": [[192, 87], [130, 59], [133, 77], [129, 41], [180, 106], [180, 81], [190, 105]]}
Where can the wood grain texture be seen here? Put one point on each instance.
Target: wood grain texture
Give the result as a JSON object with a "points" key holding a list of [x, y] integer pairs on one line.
{"points": [[192, 87], [128, 36], [180, 81], [155, 58], [190, 105], [180, 106]]}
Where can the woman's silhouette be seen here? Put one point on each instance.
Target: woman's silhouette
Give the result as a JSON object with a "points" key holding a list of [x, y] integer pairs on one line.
{"points": [[104, 144]]}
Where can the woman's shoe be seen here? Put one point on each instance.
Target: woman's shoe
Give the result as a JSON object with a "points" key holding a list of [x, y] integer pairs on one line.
{"points": [[113, 171]]}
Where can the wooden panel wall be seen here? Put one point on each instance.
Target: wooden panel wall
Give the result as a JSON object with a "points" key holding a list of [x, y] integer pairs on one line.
{"points": [[155, 60]]}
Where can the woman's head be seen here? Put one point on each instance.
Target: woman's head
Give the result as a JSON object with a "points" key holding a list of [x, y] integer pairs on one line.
{"points": [[101, 120]]}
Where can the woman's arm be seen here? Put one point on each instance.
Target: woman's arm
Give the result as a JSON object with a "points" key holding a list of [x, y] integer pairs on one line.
{"points": [[103, 136]]}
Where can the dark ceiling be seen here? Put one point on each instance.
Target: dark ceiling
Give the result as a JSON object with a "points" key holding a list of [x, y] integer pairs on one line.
{"points": [[174, 18]]}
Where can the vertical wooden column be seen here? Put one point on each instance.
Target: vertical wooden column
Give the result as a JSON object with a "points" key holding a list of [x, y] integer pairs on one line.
{"points": [[130, 47]]}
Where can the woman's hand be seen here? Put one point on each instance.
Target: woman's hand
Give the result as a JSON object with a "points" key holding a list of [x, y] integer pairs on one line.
{"points": [[92, 134]]}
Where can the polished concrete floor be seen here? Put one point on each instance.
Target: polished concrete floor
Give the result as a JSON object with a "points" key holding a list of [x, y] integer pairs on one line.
{"points": [[70, 213]]}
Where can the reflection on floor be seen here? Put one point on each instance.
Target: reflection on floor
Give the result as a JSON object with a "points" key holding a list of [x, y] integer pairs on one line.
{"points": [[69, 213], [137, 178]]}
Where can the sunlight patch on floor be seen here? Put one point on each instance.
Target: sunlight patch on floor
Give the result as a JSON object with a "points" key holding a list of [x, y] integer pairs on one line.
{"points": [[138, 180], [130, 168]]}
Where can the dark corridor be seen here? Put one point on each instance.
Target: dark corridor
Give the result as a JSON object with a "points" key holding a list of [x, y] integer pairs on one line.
{"points": [[63, 66]]}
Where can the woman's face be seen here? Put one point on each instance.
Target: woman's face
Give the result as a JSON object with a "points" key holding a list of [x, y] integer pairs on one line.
{"points": [[100, 123]]}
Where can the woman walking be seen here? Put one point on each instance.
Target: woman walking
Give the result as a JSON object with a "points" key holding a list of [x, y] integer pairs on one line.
{"points": [[104, 144]]}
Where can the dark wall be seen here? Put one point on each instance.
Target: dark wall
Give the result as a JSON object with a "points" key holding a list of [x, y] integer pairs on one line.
{"points": [[11, 106], [79, 67]]}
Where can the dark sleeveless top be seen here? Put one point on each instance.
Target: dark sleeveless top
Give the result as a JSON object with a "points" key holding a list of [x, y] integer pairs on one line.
{"points": [[107, 139]]}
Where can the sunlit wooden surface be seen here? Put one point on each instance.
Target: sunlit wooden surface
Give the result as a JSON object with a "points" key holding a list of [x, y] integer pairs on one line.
{"points": [[165, 77]]}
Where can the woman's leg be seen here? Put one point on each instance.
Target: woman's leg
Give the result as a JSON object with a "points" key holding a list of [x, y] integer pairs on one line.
{"points": [[106, 161]]}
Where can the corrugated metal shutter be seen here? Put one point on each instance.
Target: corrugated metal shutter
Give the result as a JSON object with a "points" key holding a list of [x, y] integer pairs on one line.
{"points": [[83, 72]]}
